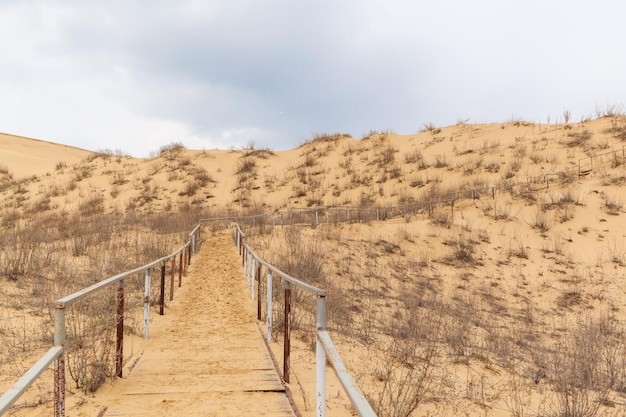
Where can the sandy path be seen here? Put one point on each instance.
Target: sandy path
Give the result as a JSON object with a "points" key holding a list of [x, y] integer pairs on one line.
{"points": [[205, 357]]}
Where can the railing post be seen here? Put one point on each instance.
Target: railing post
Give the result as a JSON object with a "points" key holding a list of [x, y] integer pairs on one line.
{"points": [[162, 290], [287, 334], [180, 269], [258, 276], [188, 256], [268, 317], [119, 348], [252, 277], [320, 359], [317, 218], [146, 305], [59, 364], [172, 278]]}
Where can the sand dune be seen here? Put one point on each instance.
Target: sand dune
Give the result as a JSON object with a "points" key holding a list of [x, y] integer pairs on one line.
{"points": [[25, 157], [501, 282]]}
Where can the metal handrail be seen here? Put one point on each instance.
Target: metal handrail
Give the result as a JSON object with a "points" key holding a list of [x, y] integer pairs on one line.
{"points": [[56, 353], [325, 349], [16, 391], [70, 299]]}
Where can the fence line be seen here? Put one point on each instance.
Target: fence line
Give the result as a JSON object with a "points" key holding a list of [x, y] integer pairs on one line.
{"points": [[354, 214], [56, 354]]}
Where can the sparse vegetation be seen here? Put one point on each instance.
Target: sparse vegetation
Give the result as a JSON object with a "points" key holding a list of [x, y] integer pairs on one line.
{"points": [[462, 279]]}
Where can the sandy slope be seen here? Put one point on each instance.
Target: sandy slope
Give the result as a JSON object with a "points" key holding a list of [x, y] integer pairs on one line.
{"points": [[25, 156]]}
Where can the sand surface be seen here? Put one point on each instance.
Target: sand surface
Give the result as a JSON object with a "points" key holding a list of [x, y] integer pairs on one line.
{"points": [[25, 156]]}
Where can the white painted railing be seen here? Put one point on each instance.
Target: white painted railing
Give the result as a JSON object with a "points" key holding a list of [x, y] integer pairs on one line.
{"points": [[324, 348]]}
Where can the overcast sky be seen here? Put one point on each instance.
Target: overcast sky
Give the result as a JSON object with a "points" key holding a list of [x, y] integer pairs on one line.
{"points": [[137, 75]]}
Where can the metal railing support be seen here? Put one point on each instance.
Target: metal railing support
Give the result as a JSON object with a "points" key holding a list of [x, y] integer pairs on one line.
{"points": [[268, 317], [162, 291], [172, 275], [119, 341], [287, 333], [146, 305], [252, 276], [259, 307], [59, 364], [180, 269], [320, 359]]}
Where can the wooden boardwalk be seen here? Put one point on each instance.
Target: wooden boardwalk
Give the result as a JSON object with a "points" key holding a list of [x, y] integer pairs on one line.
{"points": [[206, 356]]}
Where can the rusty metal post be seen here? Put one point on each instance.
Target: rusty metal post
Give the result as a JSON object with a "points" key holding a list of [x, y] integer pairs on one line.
{"points": [[119, 348], [287, 335], [243, 255], [188, 256], [172, 278], [268, 317], [146, 305], [258, 277], [180, 270], [59, 364], [162, 291]]}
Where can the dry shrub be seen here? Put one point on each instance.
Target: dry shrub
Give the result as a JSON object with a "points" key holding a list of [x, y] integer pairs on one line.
{"points": [[612, 205], [170, 151], [405, 367], [318, 137], [541, 221], [26, 250], [90, 346], [92, 205], [578, 138], [303, 258], [584, 367], [245, 165]]}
